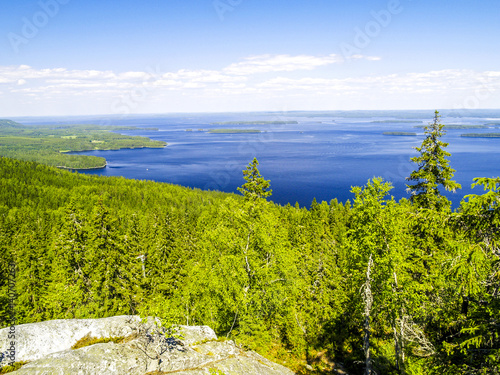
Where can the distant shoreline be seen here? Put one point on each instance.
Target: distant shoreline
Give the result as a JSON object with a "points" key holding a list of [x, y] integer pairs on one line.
{"points": [[82, 169], [233, 131], [400, 134]]}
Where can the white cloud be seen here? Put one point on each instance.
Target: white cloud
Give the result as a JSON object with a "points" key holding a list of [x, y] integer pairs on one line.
{"points": [[287, 63], [363, 57], [293, 84], [443, 81], [280, 63]]}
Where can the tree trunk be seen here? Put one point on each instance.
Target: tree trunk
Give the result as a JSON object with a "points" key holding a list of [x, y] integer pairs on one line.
{"points": [[367, 300]]}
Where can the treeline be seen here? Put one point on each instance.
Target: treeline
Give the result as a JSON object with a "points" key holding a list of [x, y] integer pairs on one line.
{"points": [[372, 285]]}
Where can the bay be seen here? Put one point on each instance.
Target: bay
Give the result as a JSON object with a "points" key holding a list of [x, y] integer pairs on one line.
{"points": [[321, 156]]}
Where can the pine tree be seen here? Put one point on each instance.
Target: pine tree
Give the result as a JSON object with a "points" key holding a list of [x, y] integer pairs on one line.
{"points": [[255, 186], [433, 169]]}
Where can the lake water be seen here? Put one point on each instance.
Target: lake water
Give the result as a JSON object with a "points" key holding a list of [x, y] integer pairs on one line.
{"points": [[320, 157]]}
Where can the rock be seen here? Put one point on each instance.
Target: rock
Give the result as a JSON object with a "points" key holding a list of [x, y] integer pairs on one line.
{"points": [[149, 351], [36, 340]]}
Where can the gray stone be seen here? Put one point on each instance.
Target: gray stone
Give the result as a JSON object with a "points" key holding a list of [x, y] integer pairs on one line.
{"points": [[195, 351], [36, 340]]}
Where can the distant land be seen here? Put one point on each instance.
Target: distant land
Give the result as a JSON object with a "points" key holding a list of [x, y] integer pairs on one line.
{"points": [[458, 126], [399, 133], [50, 144], [233, 131], [396, 122], [255, 123], [481, 135]]}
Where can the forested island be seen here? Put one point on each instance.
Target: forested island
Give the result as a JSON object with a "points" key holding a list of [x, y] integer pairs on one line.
{"points": [[396, 121], [255, 123], [233, 131], [481, 135], [458, 126], [397, 287], [50, 144], [400, 133]]}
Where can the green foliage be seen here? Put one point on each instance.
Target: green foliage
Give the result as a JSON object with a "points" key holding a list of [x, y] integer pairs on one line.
{"points": [[256, 186], [473, 345], [88, 340], [50, 145], [433, 169], [287, 281]]}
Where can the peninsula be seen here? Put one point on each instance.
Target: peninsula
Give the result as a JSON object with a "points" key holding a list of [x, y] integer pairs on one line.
{"points": [[52, 144]]}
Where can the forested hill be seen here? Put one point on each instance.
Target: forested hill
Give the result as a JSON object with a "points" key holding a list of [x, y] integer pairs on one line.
{"points": [[297, 285], [10, 124]]}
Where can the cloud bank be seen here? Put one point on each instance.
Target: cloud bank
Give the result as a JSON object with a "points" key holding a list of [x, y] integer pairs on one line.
{"points": [[263, 82]]}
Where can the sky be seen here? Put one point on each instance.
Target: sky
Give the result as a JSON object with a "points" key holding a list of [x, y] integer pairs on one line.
{"points": [[86, 57]]}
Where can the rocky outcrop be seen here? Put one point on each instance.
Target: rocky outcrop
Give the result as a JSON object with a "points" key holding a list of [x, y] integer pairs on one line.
{"points": [[147, 349]]}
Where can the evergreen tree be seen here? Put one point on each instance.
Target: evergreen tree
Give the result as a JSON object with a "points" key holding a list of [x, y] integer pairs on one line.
{"points": [[433, 169], [108, 265], [68, 289], [255, 186]]}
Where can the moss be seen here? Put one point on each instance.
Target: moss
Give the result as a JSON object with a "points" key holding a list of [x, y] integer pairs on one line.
{"points": [[220, 339], [214, 371], [88, 340], [10, 368]]}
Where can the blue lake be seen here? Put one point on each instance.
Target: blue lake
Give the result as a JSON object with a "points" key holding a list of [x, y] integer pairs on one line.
{"points": [[320, 157]]}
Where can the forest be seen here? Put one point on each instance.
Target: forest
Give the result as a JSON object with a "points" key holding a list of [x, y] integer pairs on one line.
{"points": [[371, 285], [50, 144]]}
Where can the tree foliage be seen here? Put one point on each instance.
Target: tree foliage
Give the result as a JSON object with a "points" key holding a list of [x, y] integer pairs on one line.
{"points": [[433, 169], [289, 282], [256, 186]]}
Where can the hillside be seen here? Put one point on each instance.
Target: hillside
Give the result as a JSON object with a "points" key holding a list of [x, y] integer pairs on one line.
{"points": [[287, 282]]}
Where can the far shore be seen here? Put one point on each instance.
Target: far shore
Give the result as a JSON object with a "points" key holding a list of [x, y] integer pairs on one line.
{"points": [[83, 169]]}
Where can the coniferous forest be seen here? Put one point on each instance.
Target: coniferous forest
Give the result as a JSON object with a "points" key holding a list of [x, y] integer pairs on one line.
{"points": [[376, 285]]}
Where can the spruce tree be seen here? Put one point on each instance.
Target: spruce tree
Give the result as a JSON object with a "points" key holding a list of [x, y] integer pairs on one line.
{"points": [[109, 265], [255, 186], [433, 169]]}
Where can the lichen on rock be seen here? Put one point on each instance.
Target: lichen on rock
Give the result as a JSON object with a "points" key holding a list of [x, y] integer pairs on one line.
{"points": [[150, 349]]}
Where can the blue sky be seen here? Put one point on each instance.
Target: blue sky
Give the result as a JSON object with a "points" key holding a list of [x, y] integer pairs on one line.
{"points": [[75, 57]]}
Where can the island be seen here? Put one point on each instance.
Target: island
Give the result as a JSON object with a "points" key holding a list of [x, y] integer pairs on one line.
{"points": [[458, 126], [396, 122], [53, 144], [481, 135], [233, 131], [255, 123], [400, 133]]}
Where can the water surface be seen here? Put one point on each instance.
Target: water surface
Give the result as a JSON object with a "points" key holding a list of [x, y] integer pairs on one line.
{"points": [[321, 157]]}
